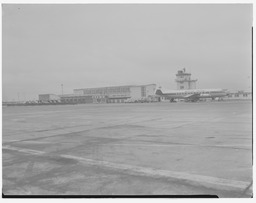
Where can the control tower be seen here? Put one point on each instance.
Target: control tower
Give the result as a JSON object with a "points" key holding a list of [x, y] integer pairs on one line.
{"points": [[184, 81]]}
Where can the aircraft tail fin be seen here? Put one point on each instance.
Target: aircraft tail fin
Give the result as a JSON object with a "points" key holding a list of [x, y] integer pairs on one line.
{"points": [[159, 92]]}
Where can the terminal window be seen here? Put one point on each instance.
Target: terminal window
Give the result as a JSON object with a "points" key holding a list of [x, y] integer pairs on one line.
{"points": [[143, 91]]}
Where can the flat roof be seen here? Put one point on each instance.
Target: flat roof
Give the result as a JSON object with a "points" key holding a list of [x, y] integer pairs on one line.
{"points": [[191, 90], [47, 94], [113, 86], [74, 95]]}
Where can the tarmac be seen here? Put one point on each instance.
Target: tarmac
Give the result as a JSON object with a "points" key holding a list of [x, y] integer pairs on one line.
{"points": [[202, 148]]}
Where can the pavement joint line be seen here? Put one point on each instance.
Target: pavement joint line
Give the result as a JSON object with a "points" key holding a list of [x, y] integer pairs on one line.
{"points": [[35, 142], [207, 181], [65, 131], [30, 151], [241, 185], [37, 113], [189, 145]]}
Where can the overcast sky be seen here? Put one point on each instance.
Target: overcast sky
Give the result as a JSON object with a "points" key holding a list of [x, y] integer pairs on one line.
{"points": [[82, 46]]}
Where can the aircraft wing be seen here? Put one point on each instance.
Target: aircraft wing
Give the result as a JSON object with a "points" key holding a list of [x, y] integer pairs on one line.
{"points": [[192, 96]]}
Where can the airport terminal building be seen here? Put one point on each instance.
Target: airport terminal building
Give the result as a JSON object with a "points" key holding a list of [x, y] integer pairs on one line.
{"points": [[114, 94]]}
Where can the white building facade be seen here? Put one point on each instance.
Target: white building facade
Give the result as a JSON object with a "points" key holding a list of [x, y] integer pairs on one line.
{"points": [[118, 94], [239, 95]]}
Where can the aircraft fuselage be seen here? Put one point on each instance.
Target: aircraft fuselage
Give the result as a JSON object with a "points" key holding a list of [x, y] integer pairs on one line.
{"points": [[193, 94]]}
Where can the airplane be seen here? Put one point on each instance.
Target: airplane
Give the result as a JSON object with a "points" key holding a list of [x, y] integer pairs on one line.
{"points": [[192, 95]]}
